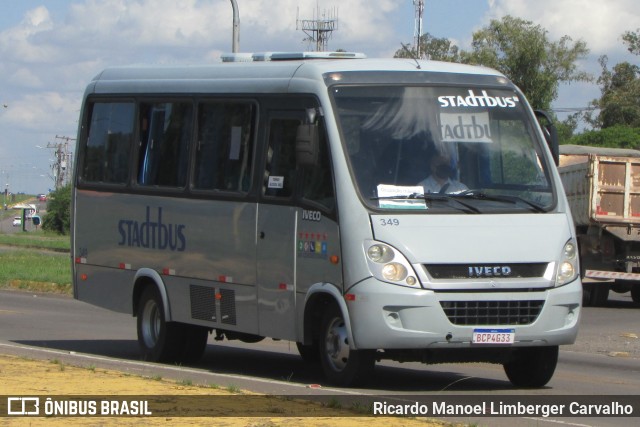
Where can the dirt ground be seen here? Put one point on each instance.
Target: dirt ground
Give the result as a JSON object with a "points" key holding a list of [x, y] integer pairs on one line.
{"points": [[23, 377]]}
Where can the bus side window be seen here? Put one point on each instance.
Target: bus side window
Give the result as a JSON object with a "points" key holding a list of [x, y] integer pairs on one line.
{"points": [[318, 179], [280, 170], [224, 149], [165, 135], [107, 149]]}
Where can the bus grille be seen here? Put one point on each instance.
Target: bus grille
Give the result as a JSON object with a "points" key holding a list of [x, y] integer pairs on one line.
{"points": [[492, 312], [228, 306], [203, 303], [465, 271]]}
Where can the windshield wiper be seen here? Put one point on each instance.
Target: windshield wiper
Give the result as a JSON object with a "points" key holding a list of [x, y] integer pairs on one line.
{"points": [[450, 198], [479, 195]]}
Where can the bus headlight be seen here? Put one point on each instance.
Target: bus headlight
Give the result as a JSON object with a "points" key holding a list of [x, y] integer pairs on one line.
{"points": [[394, 272], [389, 265], [568, 268], [380, 253]]}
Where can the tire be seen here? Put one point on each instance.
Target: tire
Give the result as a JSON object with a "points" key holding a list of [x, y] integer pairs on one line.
{"points": [[635, 293], [167, 342], [341, 365], [195, 343], [599, 294], [159, 341], [309, 353], [587, 289], [532, 367]]}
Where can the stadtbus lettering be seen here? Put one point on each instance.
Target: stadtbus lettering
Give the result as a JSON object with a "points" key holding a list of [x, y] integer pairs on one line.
{"points": [[473, 100], [152, 234]]}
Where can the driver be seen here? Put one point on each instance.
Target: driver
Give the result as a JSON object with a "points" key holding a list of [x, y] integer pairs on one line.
{"points": [[440, 179]]}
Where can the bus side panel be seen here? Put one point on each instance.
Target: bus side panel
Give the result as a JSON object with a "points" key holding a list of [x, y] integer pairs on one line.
{"points": [[318, 257], [183, 240], [213, 304], [98, 285], [275, 269]]}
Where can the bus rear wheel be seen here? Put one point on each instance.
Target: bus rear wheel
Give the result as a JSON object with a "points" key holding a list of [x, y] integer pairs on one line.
{"points": [[162, 341], [342, 365], [532, 367]]}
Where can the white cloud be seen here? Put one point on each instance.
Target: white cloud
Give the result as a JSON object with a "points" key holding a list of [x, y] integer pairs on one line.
{"points": [[22, 43], [43, 112], [48, 58]]}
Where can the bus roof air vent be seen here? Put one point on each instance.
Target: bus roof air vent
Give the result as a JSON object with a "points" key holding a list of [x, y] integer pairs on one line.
{"points": [[288, 56]]}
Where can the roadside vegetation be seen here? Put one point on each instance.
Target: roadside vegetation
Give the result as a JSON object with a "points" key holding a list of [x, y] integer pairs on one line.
{"points": [[36, 240], [35, 271], [35, 261]]}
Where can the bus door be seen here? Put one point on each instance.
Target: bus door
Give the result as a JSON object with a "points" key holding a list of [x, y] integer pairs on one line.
{"points": [[276, 240]]}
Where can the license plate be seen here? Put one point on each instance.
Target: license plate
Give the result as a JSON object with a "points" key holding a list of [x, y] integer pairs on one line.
{"points": [[493, 336]]}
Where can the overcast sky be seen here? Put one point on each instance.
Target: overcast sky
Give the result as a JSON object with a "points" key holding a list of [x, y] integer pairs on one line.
{"points": [[51, 49]]}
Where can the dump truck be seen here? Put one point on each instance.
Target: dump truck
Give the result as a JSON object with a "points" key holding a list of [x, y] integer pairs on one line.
{"points": [[603, 190]]}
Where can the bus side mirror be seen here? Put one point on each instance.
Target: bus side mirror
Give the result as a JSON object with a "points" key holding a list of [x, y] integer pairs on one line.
{"points": [[307, 145], [550, 134]]}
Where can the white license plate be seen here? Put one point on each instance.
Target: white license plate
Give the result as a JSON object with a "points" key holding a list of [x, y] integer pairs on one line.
{"points": [[493, 336]]}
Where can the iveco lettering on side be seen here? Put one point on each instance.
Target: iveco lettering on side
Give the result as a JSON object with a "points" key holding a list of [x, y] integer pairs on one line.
{"points": [[364, 209]]}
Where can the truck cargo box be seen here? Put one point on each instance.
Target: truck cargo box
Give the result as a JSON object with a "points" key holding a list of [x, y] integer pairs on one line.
{"points": [[603, 189], [602, 184]]}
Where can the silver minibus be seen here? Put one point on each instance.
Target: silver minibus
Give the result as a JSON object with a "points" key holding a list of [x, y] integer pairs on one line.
{"points": [[365, 209]]}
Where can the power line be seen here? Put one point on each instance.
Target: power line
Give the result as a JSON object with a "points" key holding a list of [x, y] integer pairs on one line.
{"points": [[62, 164], [573, 109]]}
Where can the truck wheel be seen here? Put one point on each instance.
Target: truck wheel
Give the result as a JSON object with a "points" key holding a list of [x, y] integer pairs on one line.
{"points": [[532, 367], [159, 341], [635, 293], [341, 365], [587, 289], [599, 294]]}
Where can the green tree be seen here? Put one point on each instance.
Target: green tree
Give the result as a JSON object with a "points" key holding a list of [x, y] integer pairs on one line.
{"points": [[617, 136], [619, 103], [58, 218], [632, 40], [567, 127], [523, 52], [436, 49], [620, 100]]}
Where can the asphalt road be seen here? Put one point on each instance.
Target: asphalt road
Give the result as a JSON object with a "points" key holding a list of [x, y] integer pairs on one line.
{"points": [[604, 361]]}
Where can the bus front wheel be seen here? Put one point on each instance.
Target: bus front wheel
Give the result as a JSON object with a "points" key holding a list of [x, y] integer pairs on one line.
{"points": [[342, 365], [532, 367]]}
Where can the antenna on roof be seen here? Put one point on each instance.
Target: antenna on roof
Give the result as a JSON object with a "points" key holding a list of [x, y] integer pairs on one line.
{"points": [[417, 32]]}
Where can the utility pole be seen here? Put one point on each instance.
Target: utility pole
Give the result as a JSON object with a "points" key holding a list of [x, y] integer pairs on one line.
{"points": [[235, 40], [62, 165]]}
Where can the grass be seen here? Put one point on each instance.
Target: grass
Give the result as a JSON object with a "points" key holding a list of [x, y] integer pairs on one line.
{"points": [[35, 261], [37, 240]]}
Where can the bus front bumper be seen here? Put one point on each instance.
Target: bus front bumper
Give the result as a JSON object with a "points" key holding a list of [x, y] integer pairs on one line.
{"points": [[385, 316]]}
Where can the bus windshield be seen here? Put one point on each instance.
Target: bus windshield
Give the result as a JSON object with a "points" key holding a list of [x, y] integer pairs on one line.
{"points": [[443, 149]]}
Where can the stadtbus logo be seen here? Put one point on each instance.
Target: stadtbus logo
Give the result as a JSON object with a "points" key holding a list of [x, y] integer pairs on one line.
{"points": [[152, 233], [482, 100]]}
